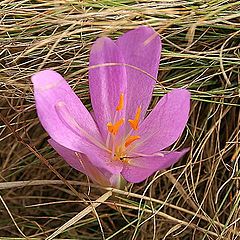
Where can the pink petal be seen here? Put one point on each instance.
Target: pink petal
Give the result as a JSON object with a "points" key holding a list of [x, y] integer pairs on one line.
{"points": [[66, 120], [106, 83], [141, 48], [165, 123], [54, 98], [81, 163], [141, 168], [68, 155]]}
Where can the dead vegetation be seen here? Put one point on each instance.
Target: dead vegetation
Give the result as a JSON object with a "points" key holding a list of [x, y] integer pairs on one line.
{"points": [[198, 198]]}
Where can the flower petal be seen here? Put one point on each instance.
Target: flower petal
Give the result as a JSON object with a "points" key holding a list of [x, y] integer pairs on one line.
{"points": [[141, 48], [106, 82], [67, 121], [68, 155], [61, 112], [141, 168], [81, 163], [165, 123]]}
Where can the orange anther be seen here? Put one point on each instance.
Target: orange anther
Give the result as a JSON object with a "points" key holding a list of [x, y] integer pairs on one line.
{"points": [[134, 122], [131, 139], [120, 103], [113, 128]]}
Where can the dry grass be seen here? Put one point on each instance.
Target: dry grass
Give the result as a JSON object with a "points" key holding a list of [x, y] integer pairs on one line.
{"points": [[199, 198]]}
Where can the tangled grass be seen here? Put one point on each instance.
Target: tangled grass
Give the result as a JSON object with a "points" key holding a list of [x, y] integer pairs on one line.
{"points": [[199, 198]]}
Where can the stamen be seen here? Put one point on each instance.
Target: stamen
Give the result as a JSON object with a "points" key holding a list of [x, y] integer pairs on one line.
{"points": [[120, 103], [113, 128], [131, 139], [134, 122]]}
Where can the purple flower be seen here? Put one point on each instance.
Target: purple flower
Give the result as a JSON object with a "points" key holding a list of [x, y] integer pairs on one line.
{"points": [[116, 141]]}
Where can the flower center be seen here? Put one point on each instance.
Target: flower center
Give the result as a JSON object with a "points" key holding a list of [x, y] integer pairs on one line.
{"points": [[120, 151]]}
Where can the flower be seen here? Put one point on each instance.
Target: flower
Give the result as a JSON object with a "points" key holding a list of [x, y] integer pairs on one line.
{"points": [[115, 142]]}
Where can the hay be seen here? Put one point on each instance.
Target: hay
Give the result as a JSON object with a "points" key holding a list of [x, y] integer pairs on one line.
{"points": [[198, 198]]}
